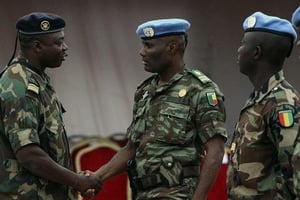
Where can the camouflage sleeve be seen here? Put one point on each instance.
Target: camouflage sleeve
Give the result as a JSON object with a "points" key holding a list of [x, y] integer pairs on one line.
{"points": [[296, 161], [210, 113], [296, 169], [284, 130], [20, 119]]}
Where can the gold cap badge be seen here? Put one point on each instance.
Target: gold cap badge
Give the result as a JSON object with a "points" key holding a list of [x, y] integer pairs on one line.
{"points": [[251, 21], [45, 25], [149, 32], [182, 93]]}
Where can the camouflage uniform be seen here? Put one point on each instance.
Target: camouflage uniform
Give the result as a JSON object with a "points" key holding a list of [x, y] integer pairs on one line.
{"points": [[30, 114], [171, 123], [263, 143]]}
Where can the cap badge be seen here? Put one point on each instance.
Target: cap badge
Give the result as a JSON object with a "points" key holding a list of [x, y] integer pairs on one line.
{"points": [[251, 21], [182, 93], [45, 25], [149, 32]]}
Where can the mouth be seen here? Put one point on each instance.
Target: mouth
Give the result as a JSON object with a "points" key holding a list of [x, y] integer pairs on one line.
{"points": [[64, 56], [144, 62]]}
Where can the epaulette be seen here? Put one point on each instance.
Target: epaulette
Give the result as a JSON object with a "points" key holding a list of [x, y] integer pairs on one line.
{"points": [[146, 81], [33, 87], [200, 76]]}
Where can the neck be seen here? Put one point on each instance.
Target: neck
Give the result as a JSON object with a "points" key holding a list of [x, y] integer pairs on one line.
{"points": [[168, 74]]}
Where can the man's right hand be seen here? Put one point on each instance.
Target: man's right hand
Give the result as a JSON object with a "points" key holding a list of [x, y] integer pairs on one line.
{"points": [[88, 184]]}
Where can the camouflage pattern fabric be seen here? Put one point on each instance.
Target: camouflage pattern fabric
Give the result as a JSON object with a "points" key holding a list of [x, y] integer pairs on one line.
{"points": [[171, 123], [263, 143], [30, 114]]}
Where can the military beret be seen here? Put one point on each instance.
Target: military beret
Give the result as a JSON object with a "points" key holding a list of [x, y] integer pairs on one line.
{"points": [[40, 23], [296, 17], [259, 21], [162, 27]]}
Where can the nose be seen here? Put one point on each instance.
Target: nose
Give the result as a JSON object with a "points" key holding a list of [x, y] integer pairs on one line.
{"points": [[65, 46], [142, 52]]}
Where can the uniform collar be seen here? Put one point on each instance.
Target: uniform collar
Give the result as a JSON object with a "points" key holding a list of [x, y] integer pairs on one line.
{"points": [[267, 87]]}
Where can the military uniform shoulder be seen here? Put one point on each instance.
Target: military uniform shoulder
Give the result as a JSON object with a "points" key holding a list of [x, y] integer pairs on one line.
{"points": [[285, 93], [200, 76], [20, 77], [146, 81]]}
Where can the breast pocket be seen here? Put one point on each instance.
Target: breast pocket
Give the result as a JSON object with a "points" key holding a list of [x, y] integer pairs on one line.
{"points": [[174, 123]]}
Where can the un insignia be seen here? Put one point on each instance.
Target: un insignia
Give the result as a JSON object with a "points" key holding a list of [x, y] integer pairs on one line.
{"points": [[251, 22], [149, 32]]}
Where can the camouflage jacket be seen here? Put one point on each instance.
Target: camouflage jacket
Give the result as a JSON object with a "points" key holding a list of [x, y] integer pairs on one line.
{"points": [[263, 142], [170, 125], [30, 113]]}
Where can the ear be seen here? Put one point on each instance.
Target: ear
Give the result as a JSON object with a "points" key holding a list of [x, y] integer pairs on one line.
{"points": [[172, 47], [257, 52], [36, 45]]}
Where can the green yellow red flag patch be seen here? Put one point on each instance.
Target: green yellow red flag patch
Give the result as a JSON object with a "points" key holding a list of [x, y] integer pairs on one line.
{"points": [[212, 98], [286, 118]]}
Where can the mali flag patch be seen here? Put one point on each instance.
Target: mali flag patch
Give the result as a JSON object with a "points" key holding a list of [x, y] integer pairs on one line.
{"points": [[286, 118], [212, 98]]}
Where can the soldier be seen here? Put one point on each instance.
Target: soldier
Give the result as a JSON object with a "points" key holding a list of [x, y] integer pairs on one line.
{"points": [[178, 122], [268, 125], [34, 156], [296, 157]]}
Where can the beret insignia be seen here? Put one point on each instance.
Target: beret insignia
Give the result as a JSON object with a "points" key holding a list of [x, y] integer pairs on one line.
{"points": [[251, 21], [149, 32], [45, 25]]}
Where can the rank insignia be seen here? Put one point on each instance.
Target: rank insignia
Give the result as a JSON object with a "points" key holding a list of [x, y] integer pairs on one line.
{"points": [[286, 118], [212, 98], [182, 93], [32, 87]]}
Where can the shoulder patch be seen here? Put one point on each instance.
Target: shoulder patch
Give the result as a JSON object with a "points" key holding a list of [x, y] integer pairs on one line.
{"points": [[212, 98], [285, 118], [200, 76], [33, 87]]}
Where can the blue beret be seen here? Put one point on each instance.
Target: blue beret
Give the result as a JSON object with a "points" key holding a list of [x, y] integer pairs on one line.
{"points": [[40, 23], [296, 17], [259, 21], [162, 27]]}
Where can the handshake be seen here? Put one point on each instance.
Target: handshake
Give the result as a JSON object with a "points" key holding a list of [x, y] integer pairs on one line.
{"points": [[87, 184]]}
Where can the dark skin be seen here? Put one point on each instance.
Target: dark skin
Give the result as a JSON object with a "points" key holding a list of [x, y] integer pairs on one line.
{"points": [[261, 55], [49, 51], [164, 56]]}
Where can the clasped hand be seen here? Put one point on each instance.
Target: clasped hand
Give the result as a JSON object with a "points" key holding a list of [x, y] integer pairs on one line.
{"points": [[89, 184]]}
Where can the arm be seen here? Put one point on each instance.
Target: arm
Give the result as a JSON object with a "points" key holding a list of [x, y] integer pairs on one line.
{"points": [[210, 167], [118, 163], [34, 159]]}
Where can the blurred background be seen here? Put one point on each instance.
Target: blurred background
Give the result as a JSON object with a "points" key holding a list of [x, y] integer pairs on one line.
{"points": [[97, 81]]}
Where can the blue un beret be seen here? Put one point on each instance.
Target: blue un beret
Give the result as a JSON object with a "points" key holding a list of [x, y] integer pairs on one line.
{"points": [[259, 21], [40, 23], [296, 17], [162, 27]]}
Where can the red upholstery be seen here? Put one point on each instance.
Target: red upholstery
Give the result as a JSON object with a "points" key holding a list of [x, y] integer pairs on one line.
{"points": [[94, 156], [219, 189]]}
